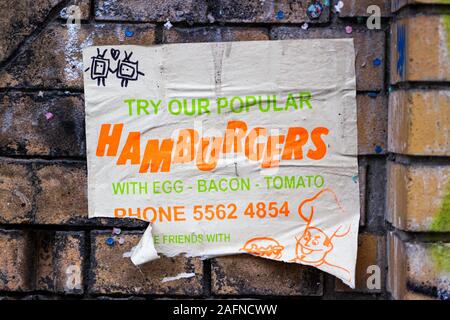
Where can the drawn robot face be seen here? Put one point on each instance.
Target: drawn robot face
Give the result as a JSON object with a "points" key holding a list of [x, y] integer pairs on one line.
{"points": [[99, 68], [314, 245], [128, 70]]}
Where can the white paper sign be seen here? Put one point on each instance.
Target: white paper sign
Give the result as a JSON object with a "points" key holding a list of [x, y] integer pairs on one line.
{"points": [[226, 148]]}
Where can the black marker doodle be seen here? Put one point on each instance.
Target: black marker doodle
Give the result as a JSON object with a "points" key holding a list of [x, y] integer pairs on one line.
{"points": [[99, 68], [126, 70]]}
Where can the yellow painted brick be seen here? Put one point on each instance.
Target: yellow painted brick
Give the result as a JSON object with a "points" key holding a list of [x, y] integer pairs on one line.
{"points": [[418, 197], [420, 48], [419, 122]]}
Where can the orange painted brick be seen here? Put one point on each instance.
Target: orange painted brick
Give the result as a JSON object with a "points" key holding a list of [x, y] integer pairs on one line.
{"points": [[418, 197], [419, 122], [62, 67], [371, 249], [212, 34], [420, 49], [248, 275], [358, 8], [112, 273], [59, 263], [15, 260], [418, 270]]}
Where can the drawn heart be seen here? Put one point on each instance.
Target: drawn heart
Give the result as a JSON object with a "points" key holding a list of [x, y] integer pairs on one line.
{"points": [[115, 53]]}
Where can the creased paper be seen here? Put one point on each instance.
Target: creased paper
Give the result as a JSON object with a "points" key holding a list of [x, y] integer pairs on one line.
{"points": [[227, 148], [145, 250]]}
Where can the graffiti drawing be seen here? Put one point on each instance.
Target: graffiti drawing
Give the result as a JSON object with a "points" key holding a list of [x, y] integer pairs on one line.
{"points": [[126, 70], [314, 245], [264, 247]]}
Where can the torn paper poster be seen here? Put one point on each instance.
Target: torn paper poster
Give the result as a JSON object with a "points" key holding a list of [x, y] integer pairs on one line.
{"points": [[145, 250], [226, 148]]}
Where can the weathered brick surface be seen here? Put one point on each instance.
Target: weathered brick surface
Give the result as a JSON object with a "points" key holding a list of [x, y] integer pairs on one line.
{"points": [[62, 67], [18, 19], [371, 252], [75, 9], [418, 197], [419, 122], [268, 11], [398, 4], [62, 196], [152, 11], [248, 275], [42, 260], [60, 259], [369, 45], [362, 177], [48, 192], [211, 34], [15, 265], [418, 270], [358, 8], [48, 264], [372, 122], [50, 124], [419, 48], [16, 192], [112, 273]]}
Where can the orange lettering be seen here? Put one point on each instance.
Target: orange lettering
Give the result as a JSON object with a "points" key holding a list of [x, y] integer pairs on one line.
{"points": [[155, 157], [295, 140], [235, 132], [321, 147], [132, 149], [111, 140]]}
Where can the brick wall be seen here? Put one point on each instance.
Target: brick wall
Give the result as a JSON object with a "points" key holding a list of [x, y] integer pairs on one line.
{"points": [[418, 167], [50, 250]]}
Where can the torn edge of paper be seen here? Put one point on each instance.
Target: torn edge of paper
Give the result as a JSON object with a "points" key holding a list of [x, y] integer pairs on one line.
{"points": [[144, 251]]}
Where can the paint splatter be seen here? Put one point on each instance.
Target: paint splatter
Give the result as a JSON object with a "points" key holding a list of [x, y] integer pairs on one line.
{"points": [[168, 25], [280, 15], [441, 221], [338, 6], [315, 10], [129, 33], [110, 241], [377, 62], [440, 254], [49, 115], [401, 50]]}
